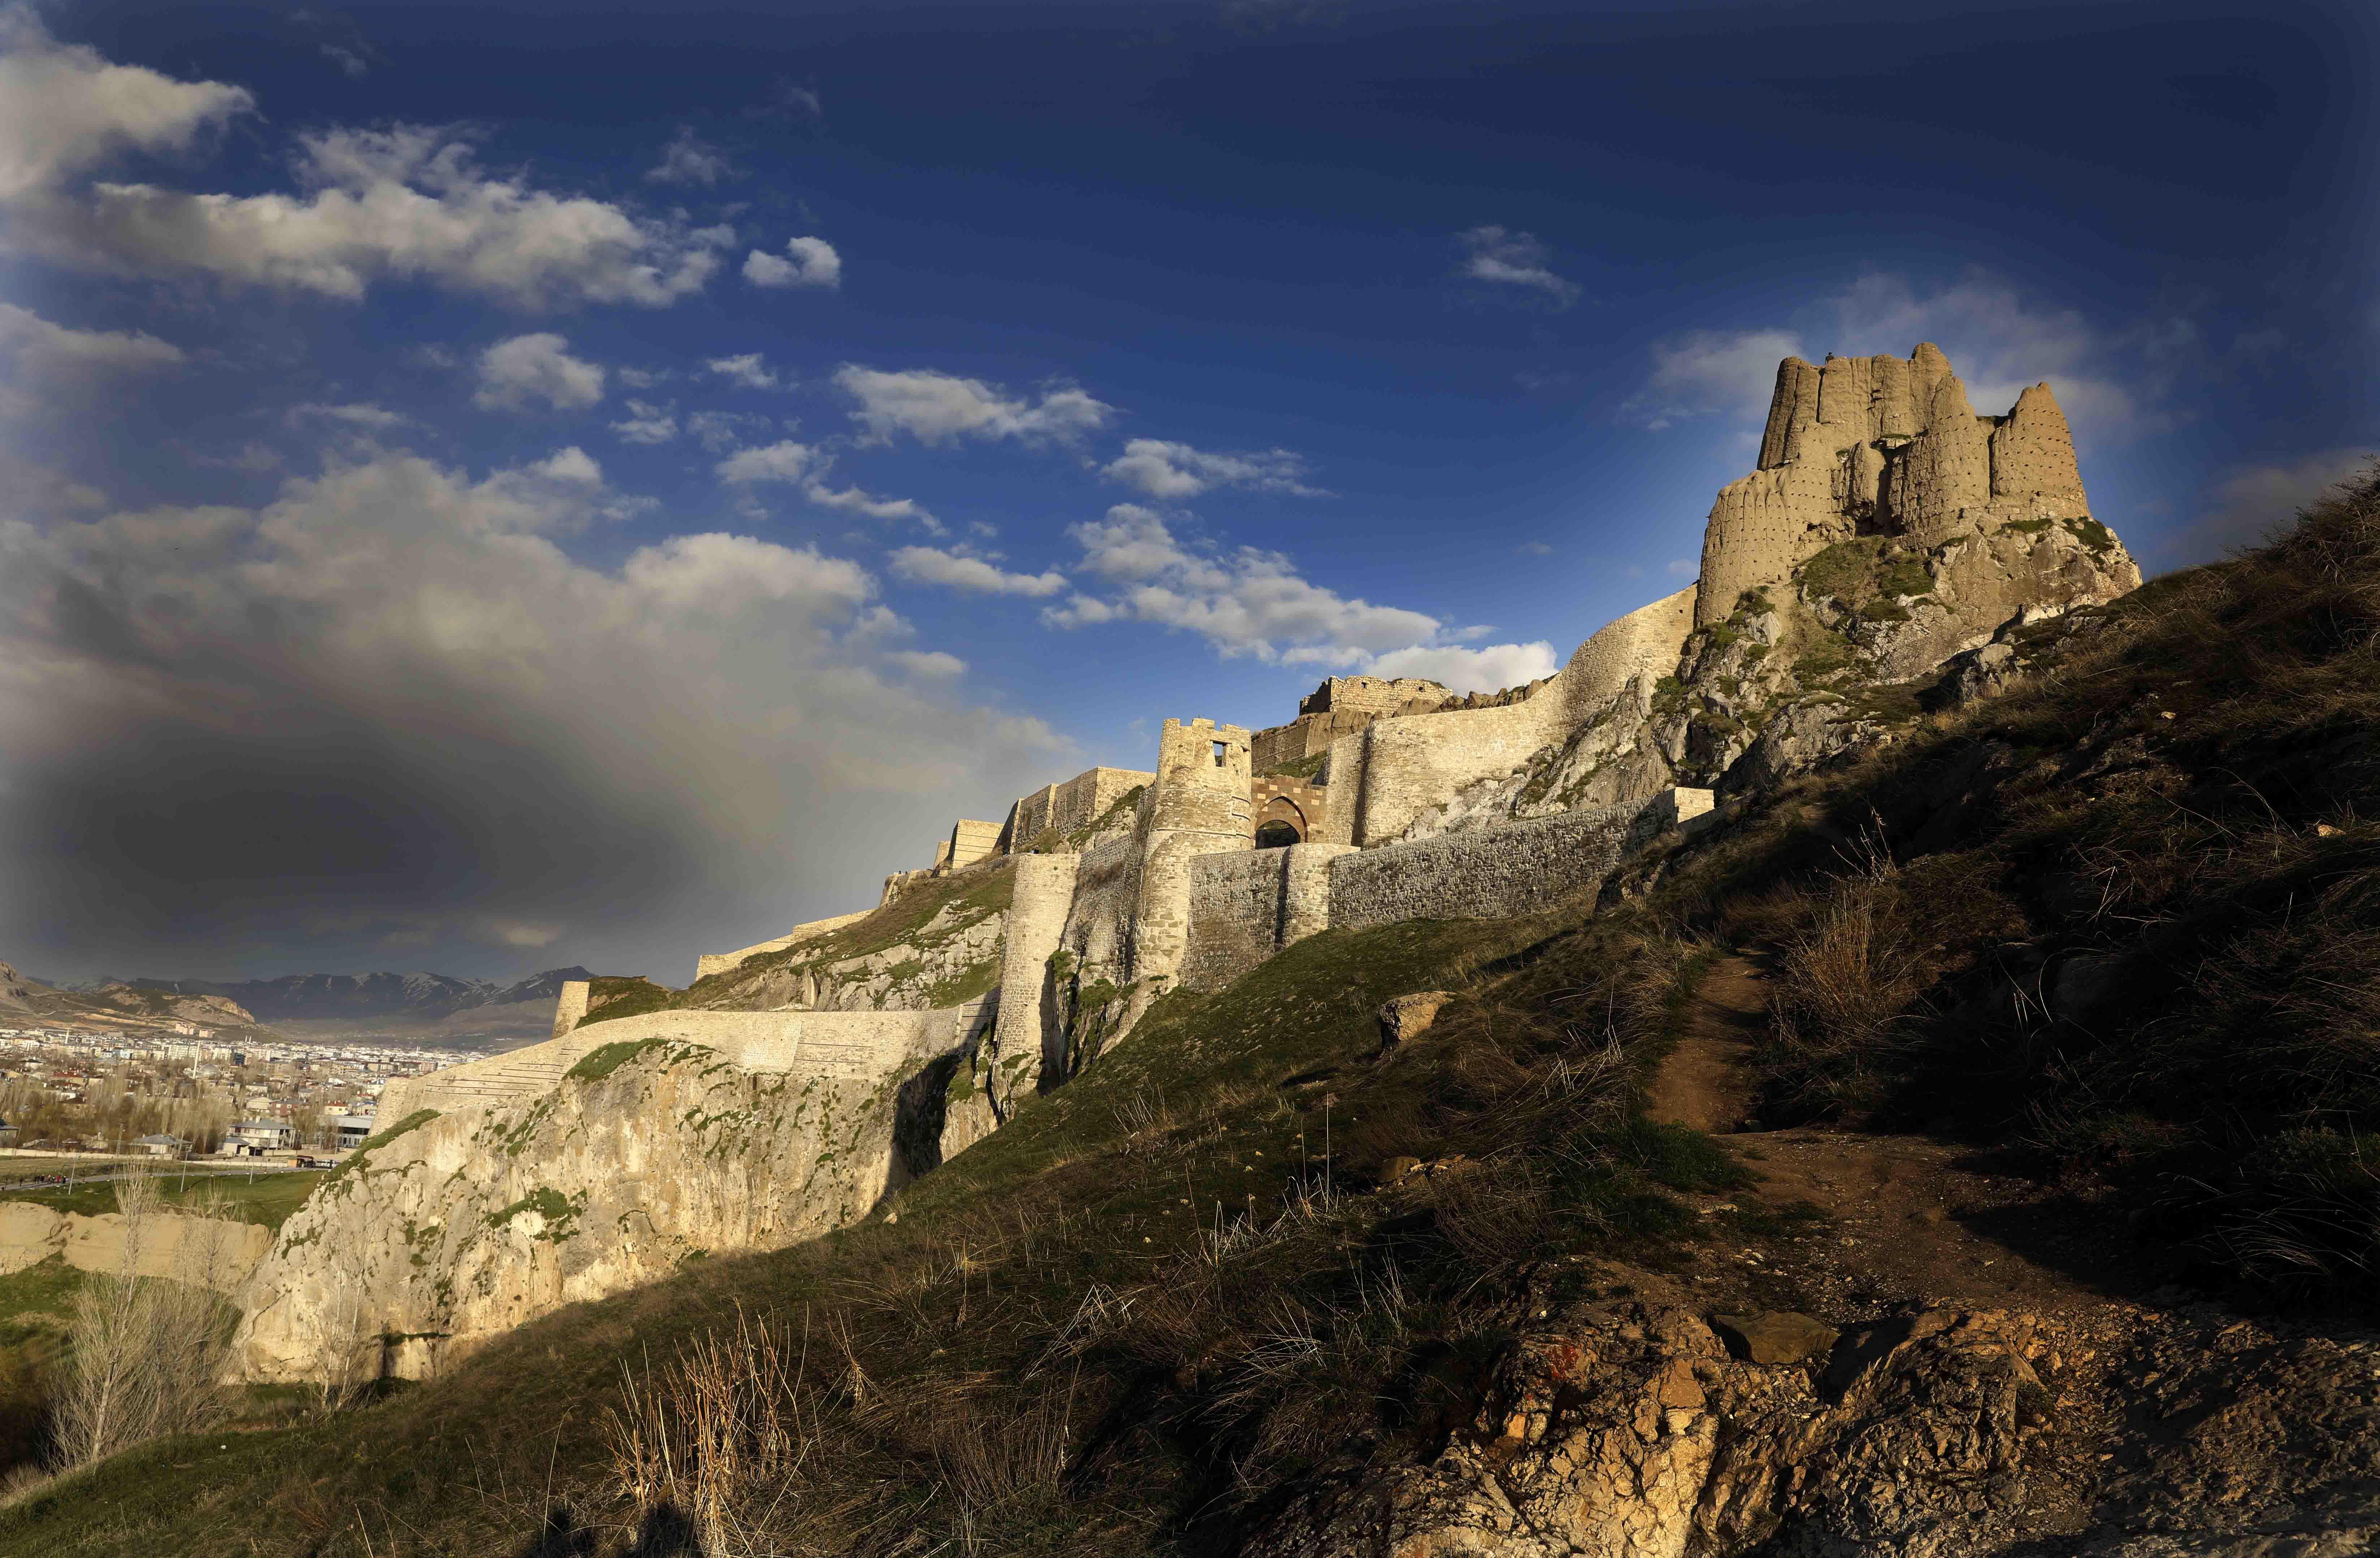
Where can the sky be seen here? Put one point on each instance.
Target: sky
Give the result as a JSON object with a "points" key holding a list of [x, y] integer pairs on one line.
{"points": [[488, 488]]}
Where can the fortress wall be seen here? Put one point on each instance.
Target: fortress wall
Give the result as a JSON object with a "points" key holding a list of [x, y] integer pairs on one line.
{"points": [[1043, 896], [711, 963], [861, 1045], [1493, 873], [1099, 923], [1063, 807], [1301, 803], [2033, 458], [1247, 904], [569, 1006], [970, 841], [1409, 767], [1647, 642]]}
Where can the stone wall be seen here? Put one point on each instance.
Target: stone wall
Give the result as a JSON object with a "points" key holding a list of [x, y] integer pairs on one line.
{"points": [[1247, 904], [1376, 695], [710, 963], [1024, 1033], [1302, 803], [1492, 873], [1065, 808], [970, 841], [1395, 776], [1869, 444], [569, 1007], [857, 1045], [1198, 806]]}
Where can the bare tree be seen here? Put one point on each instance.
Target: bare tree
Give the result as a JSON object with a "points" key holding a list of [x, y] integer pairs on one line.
{"points": [[148, 1349]]}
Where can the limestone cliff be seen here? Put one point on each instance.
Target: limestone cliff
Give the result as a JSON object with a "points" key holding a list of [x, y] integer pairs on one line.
{"points": [[448, 1229]]}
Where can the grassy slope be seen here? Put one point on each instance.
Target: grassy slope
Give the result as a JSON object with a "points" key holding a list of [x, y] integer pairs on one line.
{"points": [[1052, 1350], [267, 1200]]}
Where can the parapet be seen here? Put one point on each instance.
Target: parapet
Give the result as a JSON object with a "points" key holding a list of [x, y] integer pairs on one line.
{"points": [[1376, 695]]}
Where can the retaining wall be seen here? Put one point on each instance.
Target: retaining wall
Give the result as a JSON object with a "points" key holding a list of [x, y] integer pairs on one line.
{"points": [[710, 963], [860, 1045]]}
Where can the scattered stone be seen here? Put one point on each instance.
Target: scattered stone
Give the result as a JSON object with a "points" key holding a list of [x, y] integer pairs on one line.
{"points": [[1775, 1336], [1410, 1015]]}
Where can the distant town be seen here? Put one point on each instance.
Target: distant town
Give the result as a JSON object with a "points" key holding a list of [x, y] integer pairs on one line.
{"points": [[178, 1091]]}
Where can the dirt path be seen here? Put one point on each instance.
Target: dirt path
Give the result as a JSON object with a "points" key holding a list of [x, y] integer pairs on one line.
{"points": [[1904, 1217], [1703, 1083]]}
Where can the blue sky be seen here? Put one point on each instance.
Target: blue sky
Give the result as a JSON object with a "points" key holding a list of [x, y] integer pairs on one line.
{"points": [[497, 486]]}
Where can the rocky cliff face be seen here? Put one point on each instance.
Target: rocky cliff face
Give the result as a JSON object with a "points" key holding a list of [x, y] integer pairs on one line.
{"points": [[446, 1230], [1638, 1429], [1800, 672]]}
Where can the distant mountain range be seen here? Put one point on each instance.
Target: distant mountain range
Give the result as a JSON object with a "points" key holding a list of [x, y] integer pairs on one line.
{"points": [[119, 1004], [426, 1000]]}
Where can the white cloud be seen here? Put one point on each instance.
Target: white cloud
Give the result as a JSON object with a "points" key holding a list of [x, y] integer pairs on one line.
{"points": [[370, 417], [814, 262], [782, 461], [647, 423], [1489, 669], [929, 664], [537, 366], [408, 202], [570, 464], [689, 160], [1708, 372], [1682, 568], [2108, 383], [463, 691], [929, 565], [65, 109], [746, 371], [1535, 549], [940, 407], [721, 432], [1165, 470], [1244, 603], [1511, 258], [851, 500], [46, 352], [643, 377]]}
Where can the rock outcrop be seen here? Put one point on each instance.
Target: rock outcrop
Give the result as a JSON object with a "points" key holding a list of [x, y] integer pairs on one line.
{"points": [[448, 1229], [1630, 1430]]}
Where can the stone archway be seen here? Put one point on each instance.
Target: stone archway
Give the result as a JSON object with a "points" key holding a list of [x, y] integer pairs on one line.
{"points": [[1279, 824]]}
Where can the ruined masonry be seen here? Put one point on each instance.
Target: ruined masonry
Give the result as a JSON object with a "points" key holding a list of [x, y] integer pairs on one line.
{"points": [[1887, 529]]}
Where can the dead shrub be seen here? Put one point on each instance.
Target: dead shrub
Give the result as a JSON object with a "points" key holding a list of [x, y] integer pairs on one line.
{"points": [[703, 1434]]}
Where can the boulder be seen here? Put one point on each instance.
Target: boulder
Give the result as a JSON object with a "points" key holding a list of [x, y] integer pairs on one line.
{"points": [[1409, 1014], [1775, 1336]]}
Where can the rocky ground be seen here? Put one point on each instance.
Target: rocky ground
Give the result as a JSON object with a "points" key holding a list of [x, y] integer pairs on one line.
{"points": [[1891, 1346]]}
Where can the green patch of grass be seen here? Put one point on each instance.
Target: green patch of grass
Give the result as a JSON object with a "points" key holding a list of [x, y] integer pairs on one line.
{"points": [[560, 1212], [611, 997], [265, 1200], [2092, 533], [1306, 767], [598, 1064]]}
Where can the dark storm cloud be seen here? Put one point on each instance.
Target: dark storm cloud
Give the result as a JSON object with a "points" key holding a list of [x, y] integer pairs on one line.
{"points": [[393, 693]]}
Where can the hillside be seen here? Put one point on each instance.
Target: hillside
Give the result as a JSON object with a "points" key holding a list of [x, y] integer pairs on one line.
{"points": [[113, 1005], [1958, 1149], [385, 1005]]}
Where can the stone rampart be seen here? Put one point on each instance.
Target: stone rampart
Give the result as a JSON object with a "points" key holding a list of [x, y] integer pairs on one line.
{"points": [[1493, 873], [854, 1045], [970, 841], [1301, 803], [1063, 808], [1247, 904], [569, 1007], [1868, 444], [710, 963], [1041, 898]]}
